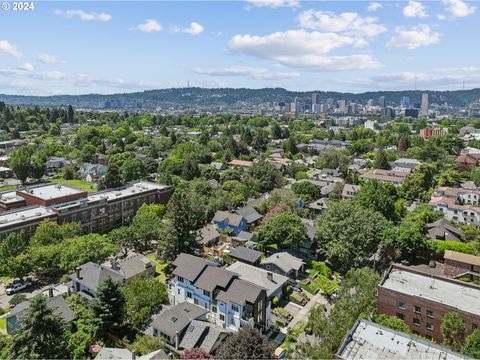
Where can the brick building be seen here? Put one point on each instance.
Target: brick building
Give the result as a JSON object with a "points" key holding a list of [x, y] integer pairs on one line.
{"points": [[422, 299], [96, 212], [461, 265]]}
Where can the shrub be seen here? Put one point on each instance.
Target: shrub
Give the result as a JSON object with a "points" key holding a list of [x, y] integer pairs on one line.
{"points": [[439, 246], [322, 268], [275, 301]]}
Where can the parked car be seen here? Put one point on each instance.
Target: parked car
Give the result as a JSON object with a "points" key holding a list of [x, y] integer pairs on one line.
{"points": [[16, 286]]}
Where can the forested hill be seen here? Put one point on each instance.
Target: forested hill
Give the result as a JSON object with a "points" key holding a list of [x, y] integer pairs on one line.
{"points": [[202, 98]]}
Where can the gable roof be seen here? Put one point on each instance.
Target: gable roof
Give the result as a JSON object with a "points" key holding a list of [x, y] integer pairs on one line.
{"points": [[213, 277], [230, 218], [443, 228], [91, 275], [284, 261], [246, 254], [243, 236], [249, 213], [57, 303], [207, 234], [188, 266], [133, 265]]}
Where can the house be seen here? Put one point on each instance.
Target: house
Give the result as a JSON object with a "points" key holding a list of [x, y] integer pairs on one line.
{"points": [[207, 237], [241, 163], [467, 161], [331, 172], [387, 176], [284, 263], [133, 266], [246, 255], [57, 303], [242, 238], [95, 171], [443, 230], [186, 326], [349, 191], [461, 265], [317, 206], [421, 300], [464, 214], [405, 165], [88, 276], [250, 214], [227, 220], [368, 340], [56, 163], [126, 354], [231, 303], [273, 282]]}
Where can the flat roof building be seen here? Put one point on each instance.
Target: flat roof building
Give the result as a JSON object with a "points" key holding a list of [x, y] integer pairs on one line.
{"points": [[368, 340], [51, 194]]}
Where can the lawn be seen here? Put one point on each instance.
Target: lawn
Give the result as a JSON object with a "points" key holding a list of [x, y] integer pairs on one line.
{"points": [[84, 185], [159, 267], [8, 187]]}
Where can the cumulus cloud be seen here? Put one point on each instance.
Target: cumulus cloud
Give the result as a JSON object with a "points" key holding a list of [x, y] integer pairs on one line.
{"points": [[47, 58], [349, 23], [84, 15], [252, 72], [458, 8], [414, 37], [149, 26], [415, 9], [9, 49], [274, 3], [374, 6], [194, 29], [26, 67]]}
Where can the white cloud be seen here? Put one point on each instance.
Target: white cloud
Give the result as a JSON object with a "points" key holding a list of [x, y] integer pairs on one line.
{"points": [[47, 58], [8, 49], [441, 17], [458, 8], [194, 29], [349, 23], [252, 72], [150, 25], [415, 9], [83, 15], [274, 3], [415, 37], [374, 6], [25, 67]]}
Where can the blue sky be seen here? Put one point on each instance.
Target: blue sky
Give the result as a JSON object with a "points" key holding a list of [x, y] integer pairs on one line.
{"points": [[119, 46]]}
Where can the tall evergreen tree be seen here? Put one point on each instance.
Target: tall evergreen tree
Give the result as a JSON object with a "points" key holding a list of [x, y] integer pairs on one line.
{"points": [[43, 335]]}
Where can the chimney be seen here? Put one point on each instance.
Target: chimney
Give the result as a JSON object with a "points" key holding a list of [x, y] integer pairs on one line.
{"points": [[134, 356], [77, 271], [177, 340], [270, 276], [50, 292]]}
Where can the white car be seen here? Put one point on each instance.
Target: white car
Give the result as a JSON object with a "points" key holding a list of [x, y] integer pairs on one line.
{"points": [[17, 286]]}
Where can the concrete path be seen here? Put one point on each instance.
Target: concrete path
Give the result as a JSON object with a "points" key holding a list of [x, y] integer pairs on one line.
{"points": [[302, 315]]}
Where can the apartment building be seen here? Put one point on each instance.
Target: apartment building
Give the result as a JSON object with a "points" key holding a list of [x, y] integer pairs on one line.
{"points": [[232, 303], [421, 300], [461, 265], [387, 176], [95, 212], [464, 214]]}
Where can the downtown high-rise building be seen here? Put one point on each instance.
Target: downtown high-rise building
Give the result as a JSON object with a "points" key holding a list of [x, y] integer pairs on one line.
{"points": [[424, 106], [405, 102], [381, 101]]}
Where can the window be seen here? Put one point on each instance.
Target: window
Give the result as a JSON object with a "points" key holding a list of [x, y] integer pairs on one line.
{"points": [[178, 291], [417, 309], [474, 327], [179, 279], [400, 304], [235, 308], [214, 308], [430, 313], [206, 293], [155, 332], [222, 317], [416, 322], [429, 326], [189, 294], [401, 316], [195, 301]]}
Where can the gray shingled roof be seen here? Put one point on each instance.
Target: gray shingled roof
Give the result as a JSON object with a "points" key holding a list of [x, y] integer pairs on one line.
{"points": [[92, 274], [243, 236], [188, 266], [134, 265], [249, 213], [233, 219], [246, 254], [177, 318], [240, 292], [57, 303], [201, 334], [206, 234], [284, 261], [214, 277]]}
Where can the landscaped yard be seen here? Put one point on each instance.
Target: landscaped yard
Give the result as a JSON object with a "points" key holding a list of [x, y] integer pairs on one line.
{"points": [[7, 187], [84, 185], [3, 323], [159, 268]]}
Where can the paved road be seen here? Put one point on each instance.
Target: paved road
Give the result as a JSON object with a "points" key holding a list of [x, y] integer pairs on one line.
{"points": [[31, 291]]}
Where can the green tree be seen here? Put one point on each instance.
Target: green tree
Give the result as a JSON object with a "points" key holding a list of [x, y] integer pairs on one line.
{"points": [[452, 329], [88, 153], [14, 262], [306, 190], [378, 196], [43, 333], [146, 226], [347, 234], [108, 307], [392, 322], [247, 343], [190, 168], [381, 161], [113, 178], [333, 159], [285, 230], [133, 169], [70, 114], [140, 308], [38, 165], [80, 340], [472, 345], [20, 163], [267, 175], [146, 344], [475, 175]]}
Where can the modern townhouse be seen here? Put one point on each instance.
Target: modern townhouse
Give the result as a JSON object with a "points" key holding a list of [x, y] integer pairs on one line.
{"points": [[232, 303]]}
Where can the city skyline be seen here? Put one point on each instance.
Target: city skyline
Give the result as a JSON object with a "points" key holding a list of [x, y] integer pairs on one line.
{"points": [[115, 47]]}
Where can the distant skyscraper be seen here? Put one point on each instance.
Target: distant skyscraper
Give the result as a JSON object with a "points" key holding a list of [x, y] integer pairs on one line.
{"points": [[294, 105], [405, 102], [381, 101], [314, 98], [424, 106], [342, 106], [370, 102]]}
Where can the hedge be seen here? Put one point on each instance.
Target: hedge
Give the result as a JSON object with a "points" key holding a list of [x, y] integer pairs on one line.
{"points": [[439, 246]]}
